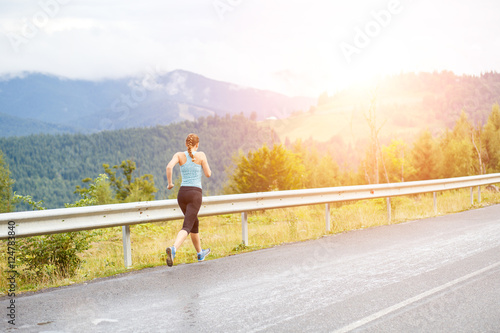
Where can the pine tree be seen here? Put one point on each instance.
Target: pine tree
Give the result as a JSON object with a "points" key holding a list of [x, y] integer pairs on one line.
{"points": [[424, 157], [457, 150], [6, 203], [398, 164], [130, 189], [265, 169], [491, 138]]}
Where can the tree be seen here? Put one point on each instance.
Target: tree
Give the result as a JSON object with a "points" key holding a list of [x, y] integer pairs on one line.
{"points": [[478, 144], [491, 139], [98, 193], [142, 189], [397, 162], [320, 171], [457, 150], [329, 173], [424, 157], [265, 170], [129, 189], [6, 203], [374, 154]]}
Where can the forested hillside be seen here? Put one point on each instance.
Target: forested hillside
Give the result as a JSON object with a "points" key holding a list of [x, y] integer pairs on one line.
{"points": [[49, 167], [466, 149], [404, 104], [16, 126]]}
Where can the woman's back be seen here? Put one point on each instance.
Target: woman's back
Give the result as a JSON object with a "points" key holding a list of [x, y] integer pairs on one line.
{"points": [[190, 172]]}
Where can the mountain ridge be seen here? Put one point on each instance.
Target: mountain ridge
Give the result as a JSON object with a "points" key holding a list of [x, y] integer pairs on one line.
{"points": [[79, 106]]}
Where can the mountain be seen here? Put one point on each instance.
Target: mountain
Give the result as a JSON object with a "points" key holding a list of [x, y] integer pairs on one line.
{"points": [[39, 103], [15, 126], [405, 104]]}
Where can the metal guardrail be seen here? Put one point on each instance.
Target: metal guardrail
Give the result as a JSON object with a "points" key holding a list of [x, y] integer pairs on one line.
{"points": [[32, 223]]}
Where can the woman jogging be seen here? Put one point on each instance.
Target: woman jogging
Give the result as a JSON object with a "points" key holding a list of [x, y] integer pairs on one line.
{"points": [[189, 197]]}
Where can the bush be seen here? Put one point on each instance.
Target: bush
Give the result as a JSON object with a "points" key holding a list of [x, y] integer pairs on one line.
{"points": [[43, 255], [50, 255]]}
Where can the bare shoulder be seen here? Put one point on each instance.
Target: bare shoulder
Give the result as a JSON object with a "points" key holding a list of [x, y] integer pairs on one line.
{"points": [[177, 156], [202, 155], [181, 157]]}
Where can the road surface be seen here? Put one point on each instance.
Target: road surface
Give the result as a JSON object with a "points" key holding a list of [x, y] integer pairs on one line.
{"points": [[434, 275]]}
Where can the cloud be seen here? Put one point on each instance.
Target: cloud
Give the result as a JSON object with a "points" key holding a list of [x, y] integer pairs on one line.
{"points": [[288, 46]]}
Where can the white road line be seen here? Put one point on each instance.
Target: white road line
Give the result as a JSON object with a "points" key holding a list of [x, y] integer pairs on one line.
{"points": [[414, 299]]}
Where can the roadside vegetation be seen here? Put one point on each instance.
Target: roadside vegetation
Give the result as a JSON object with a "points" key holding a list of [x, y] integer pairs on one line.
{"points": [[104, 256]]}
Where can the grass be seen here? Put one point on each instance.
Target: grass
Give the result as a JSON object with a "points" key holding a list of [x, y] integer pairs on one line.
{"points": [[265, 229]]}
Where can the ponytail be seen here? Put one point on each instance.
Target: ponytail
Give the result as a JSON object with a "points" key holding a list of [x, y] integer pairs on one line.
{"points": [[191, 141]]}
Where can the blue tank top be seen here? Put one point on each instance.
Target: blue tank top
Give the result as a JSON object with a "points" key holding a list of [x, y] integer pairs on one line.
{"points": [[191, 172]]}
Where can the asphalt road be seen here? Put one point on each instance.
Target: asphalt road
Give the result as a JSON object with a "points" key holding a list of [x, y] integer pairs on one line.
{"points": [[434, 275]]}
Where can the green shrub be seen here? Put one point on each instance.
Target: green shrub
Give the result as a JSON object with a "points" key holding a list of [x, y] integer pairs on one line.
{"points": [[58, 253], [50, 256]]}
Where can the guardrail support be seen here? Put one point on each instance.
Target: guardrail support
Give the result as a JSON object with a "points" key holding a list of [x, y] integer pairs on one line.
{"points": [[127, 250], [472, 196], [327, 217], [478, 194], [434, 194], [244, 227], [388, 199]]}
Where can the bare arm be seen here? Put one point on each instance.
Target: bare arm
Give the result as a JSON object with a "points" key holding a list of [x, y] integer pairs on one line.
{"points": [[170, 167], [205, 166]]}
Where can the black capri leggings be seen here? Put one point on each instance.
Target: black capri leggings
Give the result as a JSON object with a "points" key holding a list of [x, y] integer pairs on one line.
{"points": [[189, 199]]}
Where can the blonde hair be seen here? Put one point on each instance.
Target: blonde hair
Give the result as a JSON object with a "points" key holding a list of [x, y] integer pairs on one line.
{"points": [[191, 141]]}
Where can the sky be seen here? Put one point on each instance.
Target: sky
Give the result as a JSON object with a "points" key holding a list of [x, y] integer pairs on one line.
{"points": [[295, 47]]}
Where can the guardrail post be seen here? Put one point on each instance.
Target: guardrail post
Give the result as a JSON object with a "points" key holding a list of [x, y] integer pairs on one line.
{"points": [[244, 227], [479, 194], [472, 196], [127, 251], [327, 217], [434, 194], [388, 199]]}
